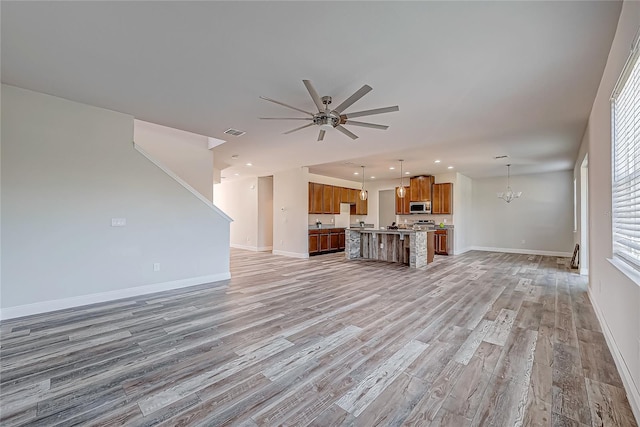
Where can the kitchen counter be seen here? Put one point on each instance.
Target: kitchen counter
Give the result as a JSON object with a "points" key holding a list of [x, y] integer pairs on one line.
{"points": [[406, 246]]}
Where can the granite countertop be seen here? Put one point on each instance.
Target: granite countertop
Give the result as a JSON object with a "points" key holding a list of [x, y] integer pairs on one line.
{"points": [[323, 227], [381, 231]]}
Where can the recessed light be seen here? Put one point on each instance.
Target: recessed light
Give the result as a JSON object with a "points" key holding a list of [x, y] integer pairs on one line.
{"points": [[236, 174], [449, 167], [356, 173], [249, 164], [407, 173], [391, 168], [437, 161], [373, 177]]}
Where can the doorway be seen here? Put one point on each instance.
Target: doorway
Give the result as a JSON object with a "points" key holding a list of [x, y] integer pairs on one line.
{"points": [[386, 207], [584, 216]]}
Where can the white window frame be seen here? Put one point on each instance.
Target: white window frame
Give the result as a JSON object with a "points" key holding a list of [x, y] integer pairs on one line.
{"points": [[625, 163]]}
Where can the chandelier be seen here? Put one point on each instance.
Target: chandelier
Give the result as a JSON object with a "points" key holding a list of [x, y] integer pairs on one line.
{"points": [[401, 190], [509, 195], [363, 192]]}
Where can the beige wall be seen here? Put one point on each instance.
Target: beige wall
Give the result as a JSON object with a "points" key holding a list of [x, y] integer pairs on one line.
{"points": [[541, 221], [290, 212], [615, 296], [184, 153], [239, 199], [67, 170]]}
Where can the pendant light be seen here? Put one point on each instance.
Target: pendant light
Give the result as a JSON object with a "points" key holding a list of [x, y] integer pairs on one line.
{"points": [[509, 195], [401, 190], [363, 192]]}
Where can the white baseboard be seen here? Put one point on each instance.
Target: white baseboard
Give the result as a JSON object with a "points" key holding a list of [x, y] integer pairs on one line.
{"points": [[290, 254], [633, 393], [461, 251], [521, 251], [252, 248], [64, 303]]}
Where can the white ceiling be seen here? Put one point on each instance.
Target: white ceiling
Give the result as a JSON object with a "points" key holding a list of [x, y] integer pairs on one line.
{"points": [[473, 80]]}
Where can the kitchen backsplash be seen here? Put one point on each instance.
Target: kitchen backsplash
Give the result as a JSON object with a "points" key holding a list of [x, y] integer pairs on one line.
{"points": [[447, 219]]}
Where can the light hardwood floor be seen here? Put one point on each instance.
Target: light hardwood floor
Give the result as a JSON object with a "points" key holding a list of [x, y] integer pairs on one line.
{"points": [[480, 339]]}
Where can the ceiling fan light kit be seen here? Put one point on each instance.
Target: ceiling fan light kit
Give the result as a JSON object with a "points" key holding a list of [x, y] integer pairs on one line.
{"points": [[327, 118]]}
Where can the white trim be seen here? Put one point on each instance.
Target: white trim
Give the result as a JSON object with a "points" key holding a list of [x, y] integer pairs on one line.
{"points": [[584, 271], [633, 394], [521, 251], [626, 269], [61, 304], [183, 183], [461, 251], [290, 254], [252, 248]]}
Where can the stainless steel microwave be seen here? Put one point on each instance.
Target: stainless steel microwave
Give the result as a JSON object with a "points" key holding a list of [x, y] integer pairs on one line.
{"points": [[420, 207]]}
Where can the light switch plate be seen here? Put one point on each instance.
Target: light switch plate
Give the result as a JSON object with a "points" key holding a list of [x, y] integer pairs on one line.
{"points": [[118, 222]]}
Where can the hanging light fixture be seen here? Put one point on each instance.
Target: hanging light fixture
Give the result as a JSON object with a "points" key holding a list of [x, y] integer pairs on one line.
{"points": [[401, 190], [509, 195], [363, 192]]}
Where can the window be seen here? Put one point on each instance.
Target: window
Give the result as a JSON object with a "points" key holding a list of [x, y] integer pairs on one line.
{"points": [[625, 111]]}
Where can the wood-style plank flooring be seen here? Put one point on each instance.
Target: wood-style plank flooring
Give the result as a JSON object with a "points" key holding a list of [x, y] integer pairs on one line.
{"points": [[480, 339]]}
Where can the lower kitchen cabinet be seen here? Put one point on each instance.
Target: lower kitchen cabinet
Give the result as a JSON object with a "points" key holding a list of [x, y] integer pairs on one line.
{"points": [[325, 240], [441, 247]]}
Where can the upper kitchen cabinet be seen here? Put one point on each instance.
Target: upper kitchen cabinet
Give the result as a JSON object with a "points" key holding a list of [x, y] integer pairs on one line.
{"points": [[345, 195], [420, 188], [402, 205], [315, 198], [327, 199], [337, 194], [442, 195], [362, 206]]}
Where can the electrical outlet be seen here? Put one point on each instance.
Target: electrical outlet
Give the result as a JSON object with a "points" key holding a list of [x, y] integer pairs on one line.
{"points": [[156, 266], [118, 222], [381, 245]]}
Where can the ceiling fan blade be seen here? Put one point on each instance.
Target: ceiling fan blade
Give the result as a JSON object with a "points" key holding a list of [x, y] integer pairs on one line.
{"points": [[321, 135], [296, 129], [346, 132], [372, 112], [353, 98], [284, 118], [285, 105], [366, 125], [314, 95]]}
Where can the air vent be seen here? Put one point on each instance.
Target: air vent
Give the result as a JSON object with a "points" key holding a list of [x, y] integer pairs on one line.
{"points": [[234, 132]]}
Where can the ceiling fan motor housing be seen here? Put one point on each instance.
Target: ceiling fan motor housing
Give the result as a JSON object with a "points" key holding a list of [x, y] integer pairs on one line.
{"points": [[326, 120]]}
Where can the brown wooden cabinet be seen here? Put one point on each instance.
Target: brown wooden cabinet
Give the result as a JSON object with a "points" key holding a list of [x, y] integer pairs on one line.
{"points": [[315, 198], [337, 192], [353, 196], [421, 188], [442, 199], [345, 194], [326, 199], [314, 240], [324, 240], [361, 206], [402, 205], [441, 242]]}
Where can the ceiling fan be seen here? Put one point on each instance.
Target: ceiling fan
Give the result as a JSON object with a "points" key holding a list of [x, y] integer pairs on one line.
{"points": [[334, 118]]}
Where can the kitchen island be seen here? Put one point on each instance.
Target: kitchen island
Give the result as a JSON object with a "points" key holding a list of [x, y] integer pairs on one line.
{"points": [[412, 247]]}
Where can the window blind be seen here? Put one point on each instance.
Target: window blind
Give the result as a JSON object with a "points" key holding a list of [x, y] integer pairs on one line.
{"points": [[626, 164]]}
